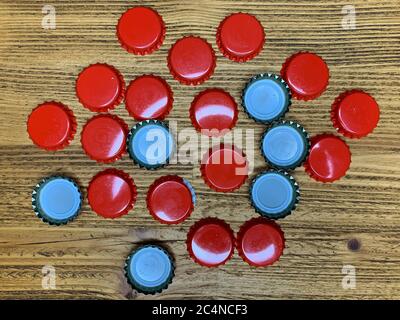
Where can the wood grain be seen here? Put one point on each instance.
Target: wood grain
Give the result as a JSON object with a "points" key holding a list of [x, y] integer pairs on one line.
{"points": [[88, 254]]}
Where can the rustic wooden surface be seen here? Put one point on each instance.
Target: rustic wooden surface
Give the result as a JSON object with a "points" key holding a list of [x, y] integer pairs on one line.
{"points": [[88, 254]]}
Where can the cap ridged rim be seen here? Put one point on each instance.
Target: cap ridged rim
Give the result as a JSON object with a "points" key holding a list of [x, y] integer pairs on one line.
{"points": [[226, 53], [202, 222], [304, 135], [197, 98], [192, 190], [307, 166], [73, 123], [197, 81], [36, 204], [334, 114], [146, 290], [117, 101], [167, 178], [124, 176], [132, 133], [152, 48], [247, 225], [277, 79], [204, 163], [124, 127], [169, 93], [284, 70], [288, 210]]}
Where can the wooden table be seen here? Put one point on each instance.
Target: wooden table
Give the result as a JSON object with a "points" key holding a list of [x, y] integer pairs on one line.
{"points": [[88, 254]]}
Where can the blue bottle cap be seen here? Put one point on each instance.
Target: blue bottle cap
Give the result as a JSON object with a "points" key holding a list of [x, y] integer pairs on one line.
{"points": [[266, 98], [149, 269], [150, 144], [285, 145], [56, 200], [274, 194], [192, 191]]}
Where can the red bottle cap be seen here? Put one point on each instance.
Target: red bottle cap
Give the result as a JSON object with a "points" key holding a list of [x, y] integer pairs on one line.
{"points": [[103, 138], [260, 242], [306, 74], [100, 87], [51, 126], [213, 112], [240, 37], [170, 200], [329, 158], [191, 60], [141, 30], [224, 168], [148, 97], [210, 242], [111, 193], [355, 114]]}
